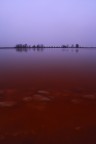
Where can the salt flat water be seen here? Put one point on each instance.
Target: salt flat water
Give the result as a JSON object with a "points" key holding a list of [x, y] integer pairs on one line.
{"points": [[48, 67], [48, 96]]}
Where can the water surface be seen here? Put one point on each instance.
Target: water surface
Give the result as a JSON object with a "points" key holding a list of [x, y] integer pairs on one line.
{"points": [[48, 96], [48, 67]]}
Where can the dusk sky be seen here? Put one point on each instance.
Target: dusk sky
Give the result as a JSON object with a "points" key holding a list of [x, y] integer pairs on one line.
{"points": [[48, 22]]}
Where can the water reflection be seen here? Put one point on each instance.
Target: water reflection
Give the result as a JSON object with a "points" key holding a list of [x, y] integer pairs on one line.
{"points": [[38, 49], [72, 49], [77, 50], [23, 49], [28, 49], [48, 97], [48, 67]]}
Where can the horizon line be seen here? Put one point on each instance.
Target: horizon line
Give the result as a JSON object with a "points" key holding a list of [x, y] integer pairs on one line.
{"points": [[48, 47]]}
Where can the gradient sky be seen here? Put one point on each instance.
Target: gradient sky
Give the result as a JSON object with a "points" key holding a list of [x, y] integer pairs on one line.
{"points": [[48, 22]]}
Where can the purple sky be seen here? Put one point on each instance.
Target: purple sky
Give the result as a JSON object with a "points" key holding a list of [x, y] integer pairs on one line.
{"points": [[48, 22]]}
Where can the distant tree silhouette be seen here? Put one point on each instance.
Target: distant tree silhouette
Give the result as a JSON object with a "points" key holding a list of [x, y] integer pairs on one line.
{"points": [[22, 46], [77, 45], [72, 46], [18, 46], [25, 46], [42, 46], [64, 46], [33, 46]]}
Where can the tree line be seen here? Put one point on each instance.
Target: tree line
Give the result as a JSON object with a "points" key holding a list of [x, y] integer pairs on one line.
{"points": [[42, 46]]}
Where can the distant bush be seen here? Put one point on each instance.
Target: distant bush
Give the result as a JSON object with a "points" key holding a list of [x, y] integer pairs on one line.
{"points": [[77, 46], [21, 46]]}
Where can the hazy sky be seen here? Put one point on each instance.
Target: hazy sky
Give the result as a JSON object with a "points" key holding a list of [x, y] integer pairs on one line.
{"points": [[48, 22]]}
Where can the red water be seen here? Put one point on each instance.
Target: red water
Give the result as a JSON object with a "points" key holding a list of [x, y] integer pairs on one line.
{"points": [[48, 97]]}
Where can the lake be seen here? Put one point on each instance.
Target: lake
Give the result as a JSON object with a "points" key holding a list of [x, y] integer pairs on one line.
{"points": [[48, 95], [48, 68]]}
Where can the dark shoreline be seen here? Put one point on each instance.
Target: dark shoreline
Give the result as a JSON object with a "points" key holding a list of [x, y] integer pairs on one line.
{"points": [[43, 47]]}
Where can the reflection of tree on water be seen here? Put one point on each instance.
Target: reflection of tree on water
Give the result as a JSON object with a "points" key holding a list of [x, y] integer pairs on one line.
{"points": [[64, 49], [71, 49], [27, 49], [77, 50], [37, 49], [21, 49]]}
